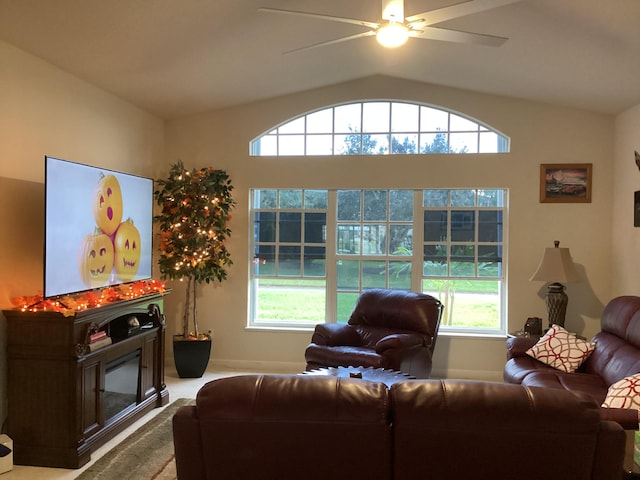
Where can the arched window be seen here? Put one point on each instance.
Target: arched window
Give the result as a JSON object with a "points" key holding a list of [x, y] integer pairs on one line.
{"points": [[379, 127]]}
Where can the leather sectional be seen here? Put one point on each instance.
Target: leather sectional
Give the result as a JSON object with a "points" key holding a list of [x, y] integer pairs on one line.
{"points": [[288, 427]]}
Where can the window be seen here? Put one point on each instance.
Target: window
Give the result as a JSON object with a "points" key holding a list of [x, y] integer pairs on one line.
{"points": [[379, 128], [315, 251]]}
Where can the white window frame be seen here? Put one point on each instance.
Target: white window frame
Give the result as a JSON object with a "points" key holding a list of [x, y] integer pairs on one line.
{"points": [[417, 259]]}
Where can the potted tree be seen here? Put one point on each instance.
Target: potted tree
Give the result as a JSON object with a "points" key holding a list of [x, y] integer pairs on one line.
{"points": [[195, 211]]}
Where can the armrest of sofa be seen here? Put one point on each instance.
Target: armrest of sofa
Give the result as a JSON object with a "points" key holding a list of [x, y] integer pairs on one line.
{"points": [[334, 334], [518, 346], [188, 443], [626, 417], [398, 340]]}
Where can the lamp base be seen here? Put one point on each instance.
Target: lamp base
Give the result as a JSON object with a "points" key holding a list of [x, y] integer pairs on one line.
{"points": [[556, 301]]}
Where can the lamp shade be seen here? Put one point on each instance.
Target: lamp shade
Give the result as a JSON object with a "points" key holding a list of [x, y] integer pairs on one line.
{"points": [[556, 266]]}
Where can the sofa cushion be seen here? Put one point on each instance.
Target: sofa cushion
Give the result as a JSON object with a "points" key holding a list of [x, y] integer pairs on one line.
{"points": [[592, 385], [561, 349]]}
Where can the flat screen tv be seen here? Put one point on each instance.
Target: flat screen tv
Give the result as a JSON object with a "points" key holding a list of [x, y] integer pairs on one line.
{"points": [[98, 227]]}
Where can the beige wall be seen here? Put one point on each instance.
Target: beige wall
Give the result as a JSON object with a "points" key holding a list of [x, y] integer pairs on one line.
{"points": [[626, 180], [45, 111], [539, 134]]}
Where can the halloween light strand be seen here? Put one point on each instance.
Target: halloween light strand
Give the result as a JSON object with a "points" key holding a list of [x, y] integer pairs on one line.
{"points": [[69, 305]]}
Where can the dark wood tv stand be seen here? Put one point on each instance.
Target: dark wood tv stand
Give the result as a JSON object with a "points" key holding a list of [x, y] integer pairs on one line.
{"points": [[56, 384]]}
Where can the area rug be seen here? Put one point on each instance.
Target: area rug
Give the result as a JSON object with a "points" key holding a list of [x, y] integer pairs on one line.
{"points": [[146, 454]]}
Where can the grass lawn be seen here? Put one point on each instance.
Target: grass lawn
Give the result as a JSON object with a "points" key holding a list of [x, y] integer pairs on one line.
{"points": [[286, 303]]}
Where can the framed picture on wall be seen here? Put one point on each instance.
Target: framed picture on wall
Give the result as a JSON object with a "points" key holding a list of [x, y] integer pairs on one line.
{"points": [[565, 182]]}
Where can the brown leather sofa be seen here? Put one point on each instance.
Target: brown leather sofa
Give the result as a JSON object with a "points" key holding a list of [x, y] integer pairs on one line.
{"points": [[390, 329], [616, 356], [289, 427]]}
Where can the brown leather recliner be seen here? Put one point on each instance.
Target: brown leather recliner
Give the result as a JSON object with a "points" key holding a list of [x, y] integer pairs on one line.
{"points": [[391, 329]]}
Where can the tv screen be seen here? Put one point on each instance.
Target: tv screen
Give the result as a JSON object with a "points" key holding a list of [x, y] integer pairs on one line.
{"points": [[98, 227]]}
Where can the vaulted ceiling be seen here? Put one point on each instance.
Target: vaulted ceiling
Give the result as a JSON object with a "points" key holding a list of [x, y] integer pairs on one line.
{"points": [[178, 57]]}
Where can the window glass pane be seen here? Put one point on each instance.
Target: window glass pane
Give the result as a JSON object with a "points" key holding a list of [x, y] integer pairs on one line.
{"points": [[463, 226], [290, 227], [320, 122], [374, 239], [404, 143], [294, 126], [463, 198], [345, 303], [264, 227], [400, 275], [491, 198], [348, 205], [375, 144], [314, 261], [435, 198], [434, 143], [463, 307], [375, 205], [435, 261], [315, 227], [463, 261], [401, 205], [290, 198], [265, 198], [348, 239], [433, 120], [348, 144], [375, 117], [347, 118], [400, 239], [348, 274], [289, 261], [291, 145], [315, 199], [267, 145], [404, 117], [490, 261], [319, 144], [374, 274], [435, 225], [461, 124], [278, 301], [463, 142], [490, 226], [265, 260], [489, 142]]}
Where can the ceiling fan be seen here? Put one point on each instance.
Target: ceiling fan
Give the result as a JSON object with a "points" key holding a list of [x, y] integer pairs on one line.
{"points": [[394, 28]]}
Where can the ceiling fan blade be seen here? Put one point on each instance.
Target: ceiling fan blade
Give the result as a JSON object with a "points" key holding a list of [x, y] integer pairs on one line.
{"points": [[393, 10], [447, 35], [319, 16], [331, 42], [454, 11]]}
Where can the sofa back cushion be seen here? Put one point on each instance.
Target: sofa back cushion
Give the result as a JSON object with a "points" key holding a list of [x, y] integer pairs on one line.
{"points": [[288, 427], [498, 431], [617, 352], [398, 310]]}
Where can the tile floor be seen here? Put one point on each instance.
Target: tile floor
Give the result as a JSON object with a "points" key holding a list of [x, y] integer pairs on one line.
{"points": [[178, 388]]}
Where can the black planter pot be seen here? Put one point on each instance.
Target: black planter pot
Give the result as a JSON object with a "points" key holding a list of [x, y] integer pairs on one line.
{"points": [[191, 357]]}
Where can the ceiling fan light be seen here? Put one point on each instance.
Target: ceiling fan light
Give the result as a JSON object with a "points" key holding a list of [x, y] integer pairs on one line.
{"points": [[392, 35]]}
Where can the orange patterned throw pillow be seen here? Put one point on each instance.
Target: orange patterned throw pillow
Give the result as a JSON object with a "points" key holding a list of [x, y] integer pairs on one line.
{"points": [[561, 349], [624, 393]]}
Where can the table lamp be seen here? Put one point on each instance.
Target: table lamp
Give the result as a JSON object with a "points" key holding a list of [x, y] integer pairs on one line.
{"points": [[556, 266]]}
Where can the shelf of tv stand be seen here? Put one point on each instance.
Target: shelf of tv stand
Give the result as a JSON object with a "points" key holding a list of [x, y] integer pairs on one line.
{"points": [[56, 386]]}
